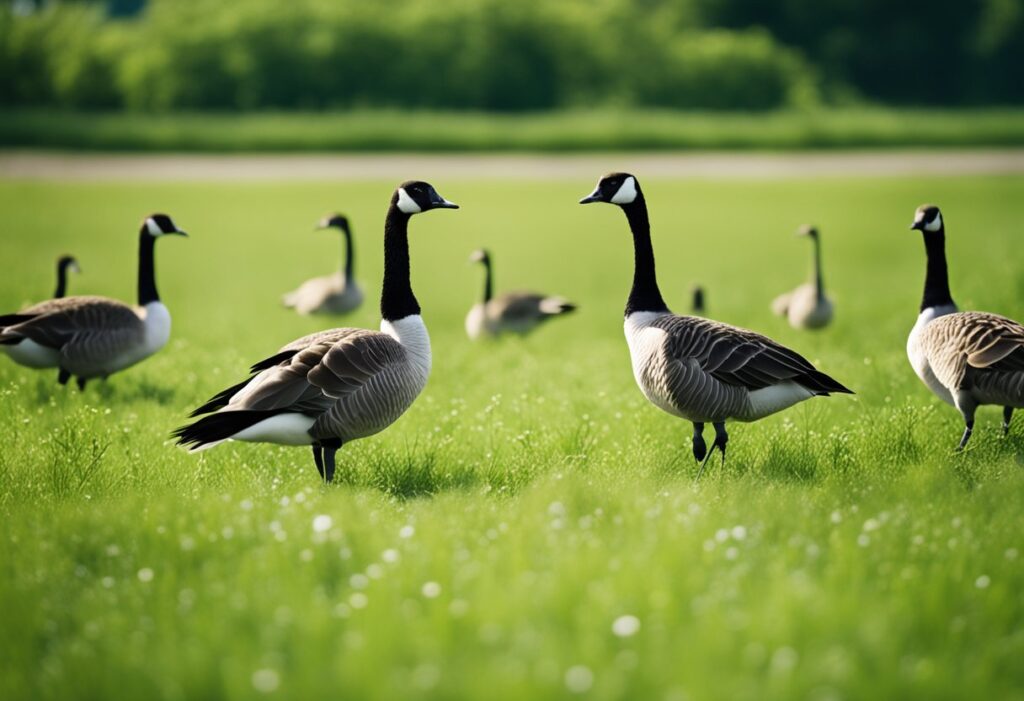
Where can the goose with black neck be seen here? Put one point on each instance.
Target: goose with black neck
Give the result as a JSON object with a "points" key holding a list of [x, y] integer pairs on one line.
{"points": [[968, 359], [337, 293], [64, 265], [335, 386], [88, 337], [807, 307], [700, 370]]}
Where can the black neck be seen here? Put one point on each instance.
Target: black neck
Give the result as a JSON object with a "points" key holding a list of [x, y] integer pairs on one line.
{"points": [[147, 276], [936, 279], [350, 260], [396, 299], [62, 280], [819, 285], [488, 280], [644, 296]]}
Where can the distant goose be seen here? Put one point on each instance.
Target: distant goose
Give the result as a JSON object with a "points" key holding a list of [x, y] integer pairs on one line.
{"points": [[89, 337], [337, 293], [700, 370], [335, 386], [807, 307], [966, 358], [698, 305], [64, 264], [510, 312]]}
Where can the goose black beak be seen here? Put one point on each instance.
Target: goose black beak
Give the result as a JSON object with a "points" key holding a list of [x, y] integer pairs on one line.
{"points": [[594, 196], [919, 225], [445, 204], [179, 232]]}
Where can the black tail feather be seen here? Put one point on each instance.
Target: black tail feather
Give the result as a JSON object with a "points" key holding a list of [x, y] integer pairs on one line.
{"points": [[218, 427], [12, 319], [220, 399], [820, 382], [273, 360]]}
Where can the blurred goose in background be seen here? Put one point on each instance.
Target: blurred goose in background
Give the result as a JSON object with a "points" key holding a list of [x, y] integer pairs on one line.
{"points": [[337, 293], [335, 386], [510, 312], [807, 307], [967, 359], [89, 337], [64, 264], [700, 370], [698, 305]]}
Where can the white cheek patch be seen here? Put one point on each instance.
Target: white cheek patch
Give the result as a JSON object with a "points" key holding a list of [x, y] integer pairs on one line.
{"points": [[935, 224], [406, 203], [626, 193], [152, 228]]}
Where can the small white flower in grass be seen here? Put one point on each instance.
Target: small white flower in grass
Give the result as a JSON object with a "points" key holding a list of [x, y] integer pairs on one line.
{"points": [[431, 590], [731, 553], [871, 525], [322, 523], [358, 600], [407, 532], [722, 535], [145, 574], [626, 626], [1011, 553], [306, 555], [390, 556], [863, 540], [358, 581], [374, 571], [265, 681], [245, 505], [107, 582], [579, 679], [983, 581], [739, 532]]}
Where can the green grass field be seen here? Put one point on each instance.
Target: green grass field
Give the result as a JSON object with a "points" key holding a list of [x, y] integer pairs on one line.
{"points": [[579, 130], [495, 541]]}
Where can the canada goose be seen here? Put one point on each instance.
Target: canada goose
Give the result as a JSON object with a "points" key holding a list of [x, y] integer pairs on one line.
{"points": [[337, 293], [511, 312], [698, 305], [332, 387], [698, 369], [968, 359], [89, 337], [64, 264], [807, 307]]}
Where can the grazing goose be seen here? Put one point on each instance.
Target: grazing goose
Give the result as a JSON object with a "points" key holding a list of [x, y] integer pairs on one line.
{"points": [[64, 264], [511, 312], [698, 305], [701, 370], [335, 386], [966, 358], [337, 293], [89, 337], [807, 307]]}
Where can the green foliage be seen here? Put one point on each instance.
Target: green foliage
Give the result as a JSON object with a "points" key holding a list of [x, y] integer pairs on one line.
{"points": [[485, 545]]}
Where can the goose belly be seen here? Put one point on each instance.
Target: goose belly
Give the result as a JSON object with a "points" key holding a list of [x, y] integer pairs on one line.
{"points": [[125, 348], [476, 322], [1001, 388], [919, 361], [33, 355]]}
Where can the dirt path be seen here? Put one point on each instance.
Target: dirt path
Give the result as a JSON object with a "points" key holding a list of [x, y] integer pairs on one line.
{"points": [[205, 167]]}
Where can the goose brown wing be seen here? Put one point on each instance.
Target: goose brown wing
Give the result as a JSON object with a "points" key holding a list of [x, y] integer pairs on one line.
{"points": [[328, 369], [89, 328], [739, 357], [516, 306], [976, 341]]}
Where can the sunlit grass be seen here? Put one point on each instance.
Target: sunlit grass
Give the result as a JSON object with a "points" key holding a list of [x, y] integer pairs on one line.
{"points": [[579, 130], [532, 527]]}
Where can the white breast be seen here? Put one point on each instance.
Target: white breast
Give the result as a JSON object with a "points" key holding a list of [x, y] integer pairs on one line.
{"points": [[919, 358], [476, 321], [411, 332], [646, 344], [156, 321]]}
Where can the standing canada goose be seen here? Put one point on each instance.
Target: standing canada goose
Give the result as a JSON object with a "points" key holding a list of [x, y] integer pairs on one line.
{"points": [[89, 337], [337, 293], [966, 358], [64, 264], [694, 368], [510, 312], [698, 305], [807, 307], [332, 387]]}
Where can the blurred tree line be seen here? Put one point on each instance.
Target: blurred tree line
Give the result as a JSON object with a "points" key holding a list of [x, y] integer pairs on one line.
{"points": [[508, 55]]}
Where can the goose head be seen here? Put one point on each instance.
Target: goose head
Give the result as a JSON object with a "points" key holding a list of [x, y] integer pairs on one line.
{"points": [[333, 221], [927, 218], [480, 255], [415, 196], [69, 263], [614, 188], [157, 225], [808, 230]]}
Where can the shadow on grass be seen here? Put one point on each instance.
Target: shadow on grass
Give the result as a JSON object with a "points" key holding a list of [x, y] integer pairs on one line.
{"points": [[415, 473]]}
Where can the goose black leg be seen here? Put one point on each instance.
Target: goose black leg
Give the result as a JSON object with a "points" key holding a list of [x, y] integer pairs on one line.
{"points": [[318, 458], [967, 406], [721, 439], [81, 384], [700, 448], [1007, 415], [968, 429], [63, 376], [330, 448]]}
